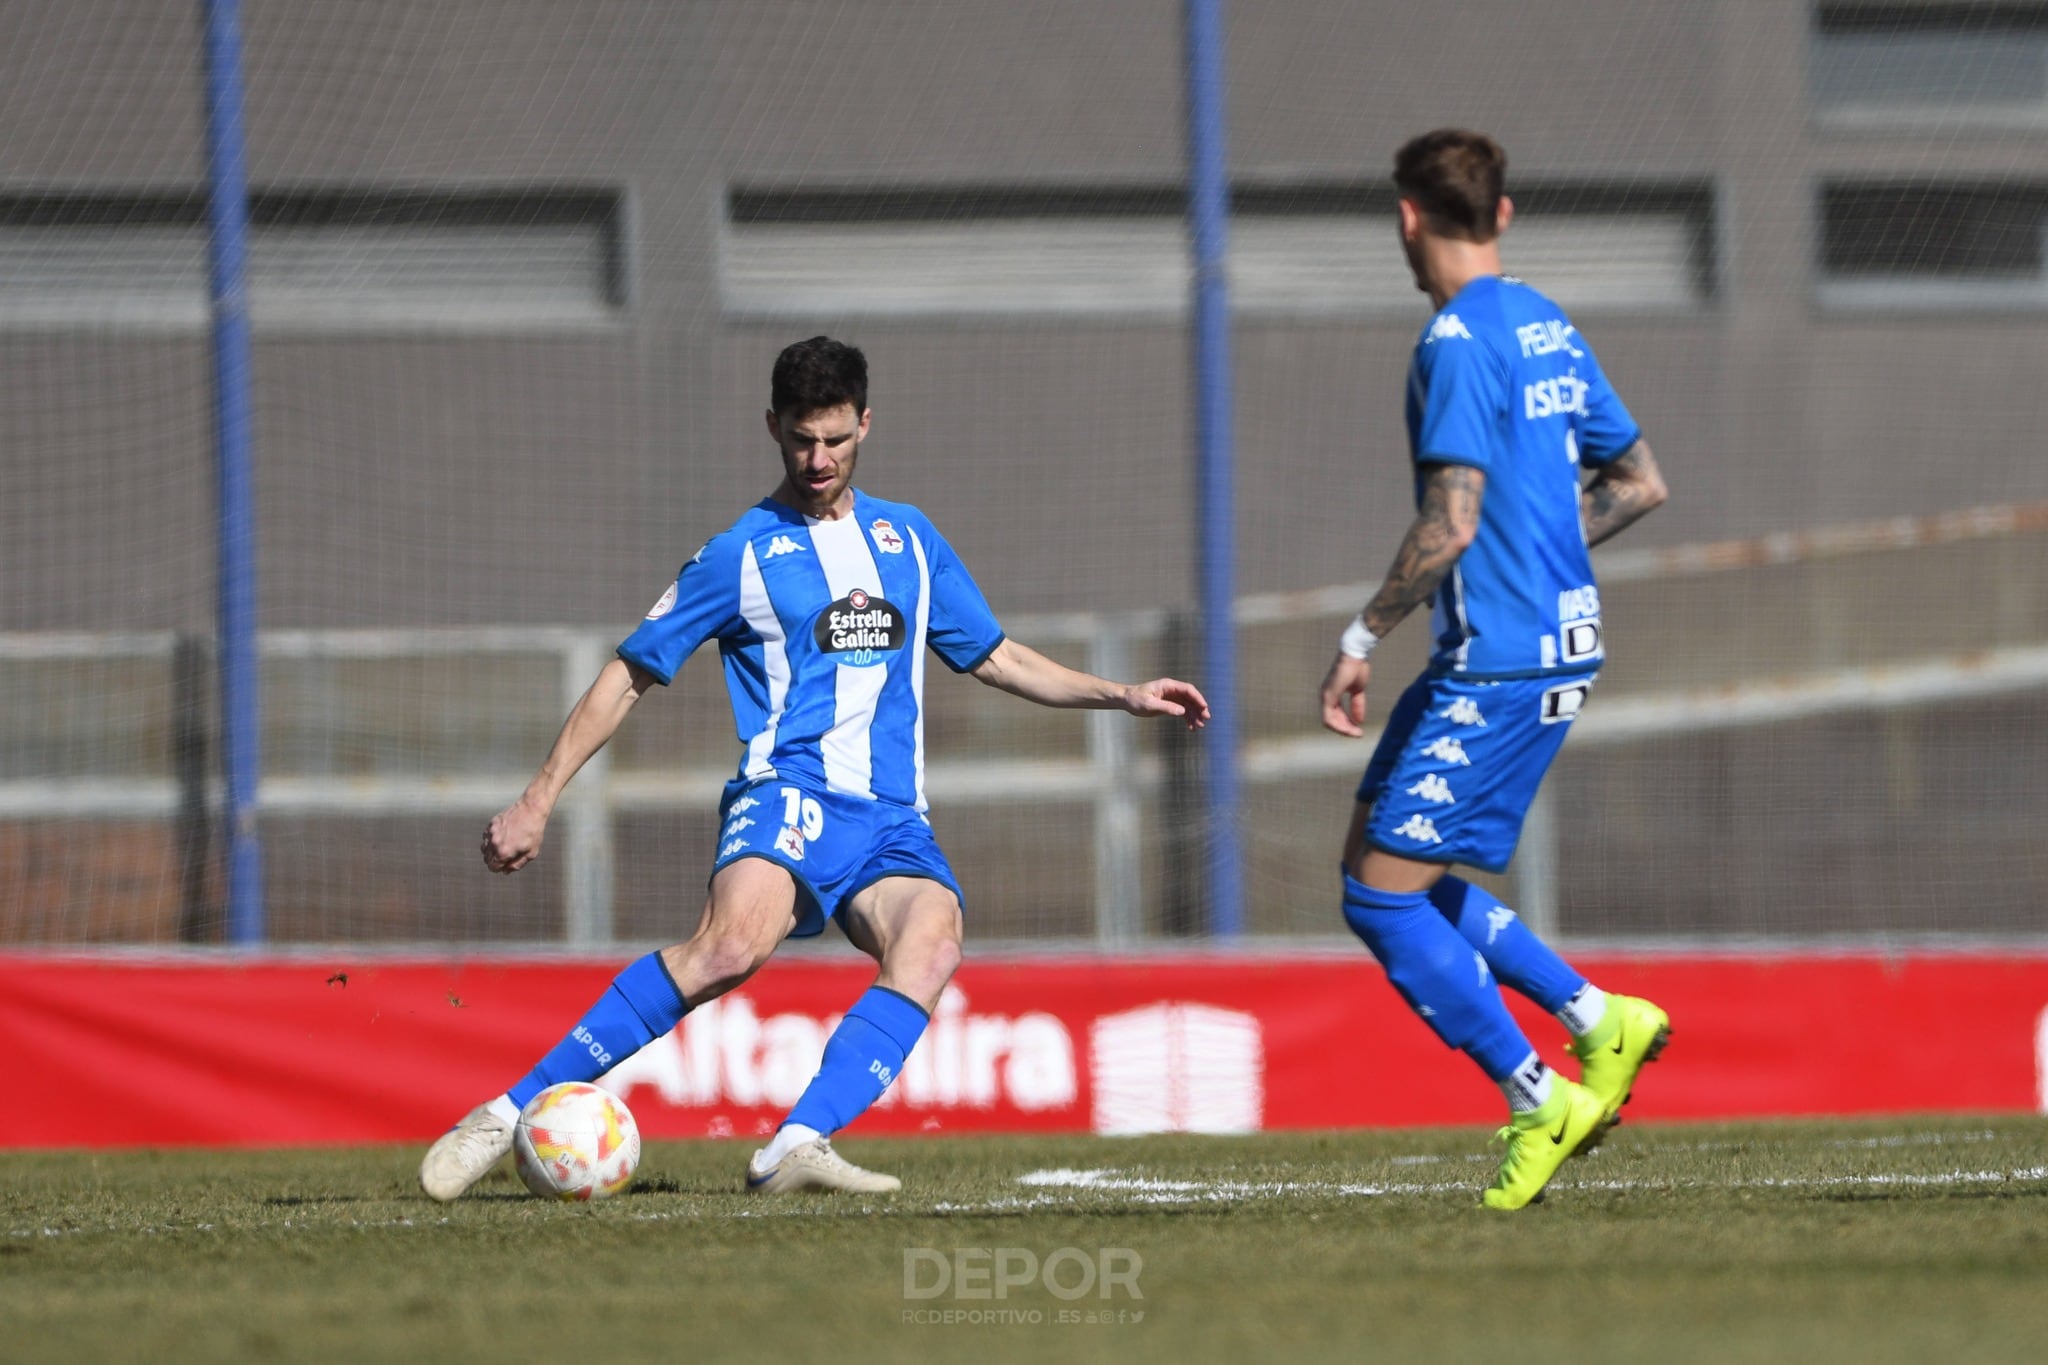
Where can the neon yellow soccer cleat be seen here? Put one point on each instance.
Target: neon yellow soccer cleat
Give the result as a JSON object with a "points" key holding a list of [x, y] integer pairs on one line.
{"points": [[1632, 1033], [1570, 1122]]}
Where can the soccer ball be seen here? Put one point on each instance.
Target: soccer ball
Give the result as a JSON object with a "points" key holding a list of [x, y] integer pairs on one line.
{"points": [[575, 1141]]}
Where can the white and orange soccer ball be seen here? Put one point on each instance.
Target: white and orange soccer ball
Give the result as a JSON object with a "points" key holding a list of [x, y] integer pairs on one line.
{"points": [[575, 1141]]}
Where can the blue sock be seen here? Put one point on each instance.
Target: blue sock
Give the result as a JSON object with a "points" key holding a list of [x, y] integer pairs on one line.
{"points": [[641, 1004], [861, 1057], [1520, 960], [1438, 973]]}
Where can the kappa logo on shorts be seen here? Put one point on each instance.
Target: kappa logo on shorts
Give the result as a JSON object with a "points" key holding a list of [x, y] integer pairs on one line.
{"points": [[743, 805], [1420, 828], [1463, 711], [744, 822], [1447, 750], [791, 842], [1433, 788], [734, 847], [782, 545], [1565, 701], [886, 539]]}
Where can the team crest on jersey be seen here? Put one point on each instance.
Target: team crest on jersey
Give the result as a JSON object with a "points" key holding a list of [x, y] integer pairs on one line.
{"points": [[666, 605], [859, 629], [886, 539]]}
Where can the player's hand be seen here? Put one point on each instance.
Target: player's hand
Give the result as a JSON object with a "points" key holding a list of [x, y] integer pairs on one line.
{"points": [[513, 838], [1168, 697], [1344, 695]]}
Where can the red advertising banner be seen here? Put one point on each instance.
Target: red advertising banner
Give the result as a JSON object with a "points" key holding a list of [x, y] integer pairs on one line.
{"points": [[287, 1050]]}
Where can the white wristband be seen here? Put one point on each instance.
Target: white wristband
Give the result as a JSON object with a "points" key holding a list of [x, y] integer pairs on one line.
{"points": [[1356, 642]]}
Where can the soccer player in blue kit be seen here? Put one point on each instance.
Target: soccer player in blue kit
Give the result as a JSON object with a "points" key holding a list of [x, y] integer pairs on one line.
{"points": [[1506, 408], [823, 601]]}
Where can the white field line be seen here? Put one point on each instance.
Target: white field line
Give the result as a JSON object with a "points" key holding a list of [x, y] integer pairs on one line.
{"points": [[1062, 1187]]}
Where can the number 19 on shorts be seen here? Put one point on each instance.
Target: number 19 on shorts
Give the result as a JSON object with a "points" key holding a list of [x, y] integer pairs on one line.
{"points": [[802, 812]]}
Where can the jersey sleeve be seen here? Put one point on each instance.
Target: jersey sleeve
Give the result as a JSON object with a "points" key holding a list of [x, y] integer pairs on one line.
{"points": [[703, 603], [1606, 429], [962, 629], [1465, 401]]}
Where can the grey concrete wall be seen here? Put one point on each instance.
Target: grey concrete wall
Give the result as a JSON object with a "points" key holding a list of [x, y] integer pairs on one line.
{"points": [[559, 476]]}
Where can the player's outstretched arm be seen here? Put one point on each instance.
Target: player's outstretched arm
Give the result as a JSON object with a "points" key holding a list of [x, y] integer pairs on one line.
{"points": [[513, 838], [1621, 492], [1444, 526], [1024, 672]]}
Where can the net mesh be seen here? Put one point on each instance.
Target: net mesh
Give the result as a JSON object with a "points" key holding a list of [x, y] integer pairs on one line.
{"points": [[519, 271]]}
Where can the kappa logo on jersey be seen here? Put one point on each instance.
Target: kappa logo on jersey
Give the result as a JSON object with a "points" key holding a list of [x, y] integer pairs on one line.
{"points": [[886, 539], [1432, 787], [1463, 711], [1448, 750], [791, 842], [1420, 828], [860, 629], [732, 848], [743, 822], [666, 605], [782, 545], [1446, 326]]}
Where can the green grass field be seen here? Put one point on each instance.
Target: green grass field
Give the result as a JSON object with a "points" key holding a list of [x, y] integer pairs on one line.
{"points": [[1910, 1240]]}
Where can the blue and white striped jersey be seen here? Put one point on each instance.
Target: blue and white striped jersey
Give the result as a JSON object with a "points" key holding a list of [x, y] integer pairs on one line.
{"points": [[1503, 382], [822, 626]]}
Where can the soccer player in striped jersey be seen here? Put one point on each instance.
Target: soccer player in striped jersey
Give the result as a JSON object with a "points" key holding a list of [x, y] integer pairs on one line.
{"points": [[823, 601], [1507, 410]]}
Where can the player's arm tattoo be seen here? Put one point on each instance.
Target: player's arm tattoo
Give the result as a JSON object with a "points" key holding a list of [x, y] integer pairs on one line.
{"points": [[1620, 493], [1444, 526]]}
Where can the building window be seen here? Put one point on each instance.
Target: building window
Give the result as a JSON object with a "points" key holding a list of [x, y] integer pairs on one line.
{"points": [[1298, 251], [318, 259], [1904, 65], [1919, 245]]}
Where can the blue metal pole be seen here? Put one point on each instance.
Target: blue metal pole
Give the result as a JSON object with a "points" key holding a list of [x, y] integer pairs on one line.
{"points": [[228, 215], [1208, 222]]}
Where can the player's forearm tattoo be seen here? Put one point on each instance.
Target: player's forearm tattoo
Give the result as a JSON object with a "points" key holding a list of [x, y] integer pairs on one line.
{"points": [[1443, 527], [1621, 493]]}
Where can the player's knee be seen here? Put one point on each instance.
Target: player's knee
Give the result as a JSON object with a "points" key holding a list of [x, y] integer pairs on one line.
{"points": [[920, 966], [715, 962]]}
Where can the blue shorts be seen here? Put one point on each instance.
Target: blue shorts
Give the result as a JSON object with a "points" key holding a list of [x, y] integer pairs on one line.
{"points": [[834, 846], [1459, 763]]}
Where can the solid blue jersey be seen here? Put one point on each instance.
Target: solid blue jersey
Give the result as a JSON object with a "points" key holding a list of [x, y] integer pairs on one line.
{"points": [[822, 626], [1502, 382]]}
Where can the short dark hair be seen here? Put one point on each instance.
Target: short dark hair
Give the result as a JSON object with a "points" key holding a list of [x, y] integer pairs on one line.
{"points": [[1456, 177], [813, 375]]}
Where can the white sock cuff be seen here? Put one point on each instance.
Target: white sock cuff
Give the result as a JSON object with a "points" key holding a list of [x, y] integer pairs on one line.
{"points": [[1583, 1012]]}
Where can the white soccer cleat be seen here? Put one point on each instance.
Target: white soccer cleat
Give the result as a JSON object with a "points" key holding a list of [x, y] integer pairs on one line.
{"points": [[815, 1166], [465, 1154]]}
